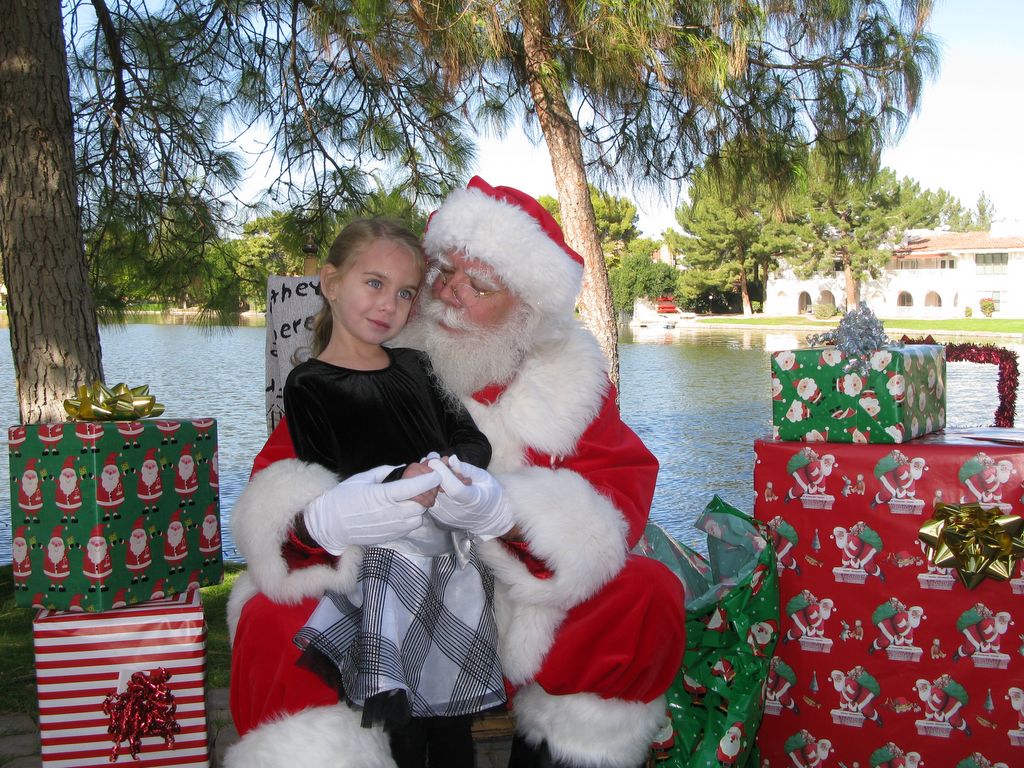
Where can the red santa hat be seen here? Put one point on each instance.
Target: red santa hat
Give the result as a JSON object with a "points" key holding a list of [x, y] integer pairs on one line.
{"points": [[76, 603], [176, 516], [58, 532], [186, 450], [69, 463], [111, 460], [97, 531], [150, 455], [139, 523], [512, 233], [19, 533], [30, 465]]}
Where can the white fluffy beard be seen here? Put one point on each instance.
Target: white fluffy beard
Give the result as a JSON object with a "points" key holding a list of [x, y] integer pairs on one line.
{"points": [[474, 356]]}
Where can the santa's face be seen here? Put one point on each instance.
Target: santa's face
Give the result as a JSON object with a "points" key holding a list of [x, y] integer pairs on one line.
{"points": [[149, 471], [881, 359], [67, 480], [186, 467], [851, 384], [110, 477], [786, 360], [870, 404], [137, 541], [209, 526], [457, 284], [797, 411], [29, 481], [807, 389], [897, 386], [19, 549], [97, 549], [55, 549], [175, 532]]}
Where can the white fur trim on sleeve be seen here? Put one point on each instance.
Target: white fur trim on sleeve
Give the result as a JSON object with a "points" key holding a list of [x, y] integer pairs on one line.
{"points": [[568, 525], [262, 520], [320, 736], [585, 730]]}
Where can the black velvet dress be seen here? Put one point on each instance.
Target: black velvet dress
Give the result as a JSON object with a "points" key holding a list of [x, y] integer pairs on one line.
{"points": [[417, 636]]}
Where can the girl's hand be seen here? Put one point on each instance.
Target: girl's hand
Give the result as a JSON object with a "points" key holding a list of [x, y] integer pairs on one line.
{"points": [[428, 497]]}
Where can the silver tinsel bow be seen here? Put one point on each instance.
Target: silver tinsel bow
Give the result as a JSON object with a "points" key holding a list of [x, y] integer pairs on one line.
{"points": [[859, 334]]}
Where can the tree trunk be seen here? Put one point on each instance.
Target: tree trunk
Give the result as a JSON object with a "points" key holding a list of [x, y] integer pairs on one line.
{"points": [[54, 334], [851, 283], [745, 292], [561, 132]]}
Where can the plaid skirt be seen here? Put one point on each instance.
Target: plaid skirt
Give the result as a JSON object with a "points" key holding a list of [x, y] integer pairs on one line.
{"points": [[425, 629]]}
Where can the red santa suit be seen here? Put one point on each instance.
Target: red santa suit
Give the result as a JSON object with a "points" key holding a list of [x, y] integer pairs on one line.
{"points": [[50, 435], [591, 636], [89, 432], [16, 438], [96, 565], [30, 493], [20, 560], [130, 432], [68, 493]]}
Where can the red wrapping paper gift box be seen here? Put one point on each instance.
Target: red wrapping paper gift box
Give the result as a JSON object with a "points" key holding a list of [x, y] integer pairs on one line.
{"points": [[83, 657], [883, 655]]}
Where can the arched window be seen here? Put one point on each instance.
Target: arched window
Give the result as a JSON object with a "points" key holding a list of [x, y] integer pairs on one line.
{"points": [[827, 298], [904, 299], [803, 304], [932, 299]]}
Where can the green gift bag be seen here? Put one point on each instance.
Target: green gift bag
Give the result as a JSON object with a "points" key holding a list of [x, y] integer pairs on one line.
{"points": [[732, 624]]}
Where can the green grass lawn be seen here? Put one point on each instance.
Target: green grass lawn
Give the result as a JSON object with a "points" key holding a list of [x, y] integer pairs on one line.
{"points": [[17, 660], [966, 325]]}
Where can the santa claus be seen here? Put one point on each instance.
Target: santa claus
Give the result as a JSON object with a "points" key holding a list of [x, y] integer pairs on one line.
{"points": [[204, 428], [137, 555], [109, 489], [590, 635], [175, 544], [168, 431], [68, 493], [96, 563], [55, 563], [186, 482], [730, 745], [30, 493], [21, 562], [209, 536], [149, 487]]}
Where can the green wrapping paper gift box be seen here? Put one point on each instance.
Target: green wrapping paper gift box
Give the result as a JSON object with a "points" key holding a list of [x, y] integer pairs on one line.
{"points": [[732, 621], [896, 394], [108, 514]]}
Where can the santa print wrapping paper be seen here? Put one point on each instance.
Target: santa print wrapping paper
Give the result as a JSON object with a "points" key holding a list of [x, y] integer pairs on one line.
{"points": [[107, 514], [883, 658], [81, 658], [900, 394]]}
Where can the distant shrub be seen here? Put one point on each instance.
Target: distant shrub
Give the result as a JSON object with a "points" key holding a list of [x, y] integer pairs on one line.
{"points": [[968, 311], [756, 306], [824, 311], [987, 307]]}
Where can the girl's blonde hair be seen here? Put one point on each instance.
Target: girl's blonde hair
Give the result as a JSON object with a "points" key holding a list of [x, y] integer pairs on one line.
{"points": [[357, 235]]}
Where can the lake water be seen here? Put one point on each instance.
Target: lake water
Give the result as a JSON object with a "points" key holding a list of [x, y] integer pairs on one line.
{"points": [[697, 397]]}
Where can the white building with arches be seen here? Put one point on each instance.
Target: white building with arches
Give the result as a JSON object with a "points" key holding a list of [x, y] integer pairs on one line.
{"points": [[931, 275]]}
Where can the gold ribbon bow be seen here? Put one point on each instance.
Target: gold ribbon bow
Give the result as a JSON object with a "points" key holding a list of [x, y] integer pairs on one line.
{"points": [[980, 543], [120, 403]]}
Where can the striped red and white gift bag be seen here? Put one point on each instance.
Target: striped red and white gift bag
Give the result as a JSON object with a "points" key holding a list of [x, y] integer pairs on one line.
{"points": [[83, 657]]}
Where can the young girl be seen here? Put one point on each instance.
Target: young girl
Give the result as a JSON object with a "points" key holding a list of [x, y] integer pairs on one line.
{"points": [[415, 644]]}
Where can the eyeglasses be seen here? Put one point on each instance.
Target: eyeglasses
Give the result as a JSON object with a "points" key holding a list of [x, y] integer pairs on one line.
{"points": [[465, 294]]}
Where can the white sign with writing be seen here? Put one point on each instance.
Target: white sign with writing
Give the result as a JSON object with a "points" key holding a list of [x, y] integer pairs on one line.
{"points": [[292, 303]]}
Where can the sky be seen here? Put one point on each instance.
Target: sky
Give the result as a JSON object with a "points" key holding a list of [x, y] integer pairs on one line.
{"points": [[967, 137]]}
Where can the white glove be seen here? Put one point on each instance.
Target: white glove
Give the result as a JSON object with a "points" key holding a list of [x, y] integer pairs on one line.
{"points": [[479, 507], [364, 510]]}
